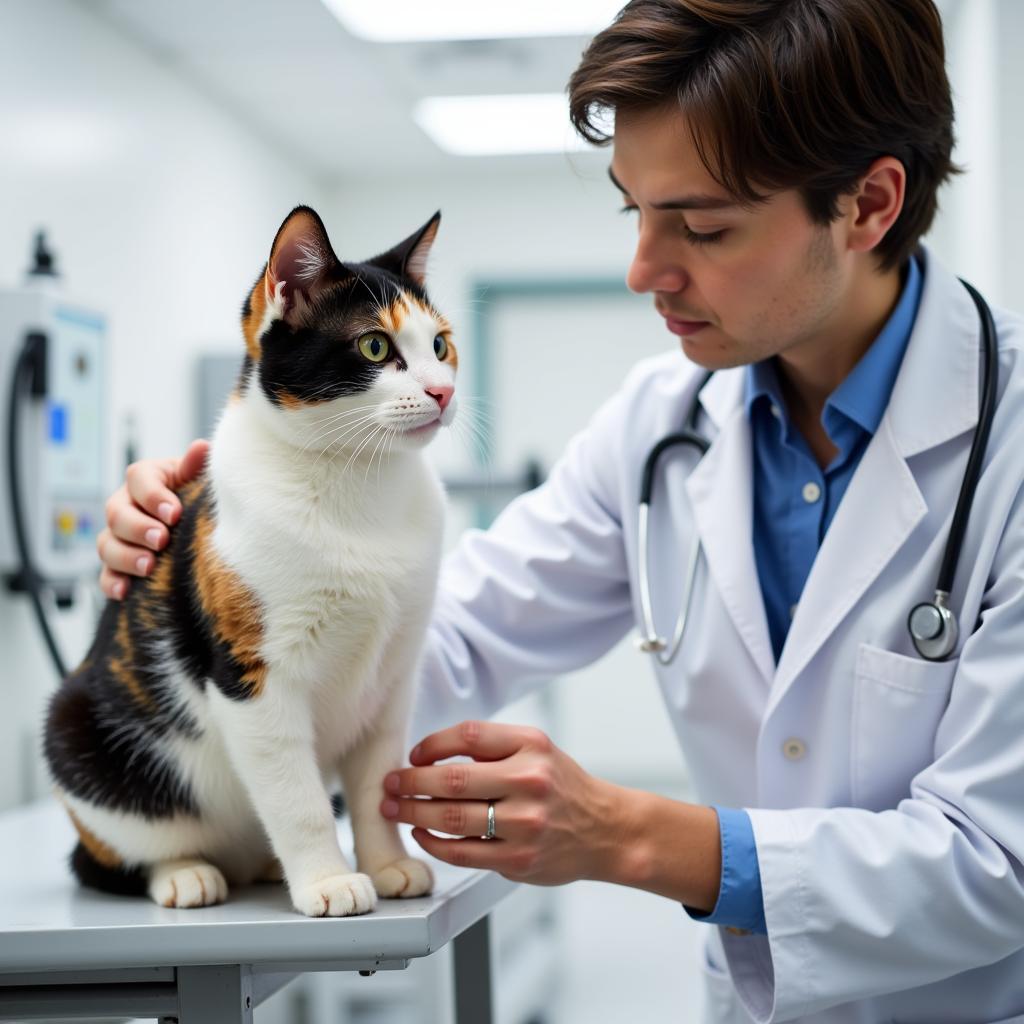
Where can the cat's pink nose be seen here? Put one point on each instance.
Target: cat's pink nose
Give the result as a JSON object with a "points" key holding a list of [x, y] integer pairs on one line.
{"points": [[442, 394]]}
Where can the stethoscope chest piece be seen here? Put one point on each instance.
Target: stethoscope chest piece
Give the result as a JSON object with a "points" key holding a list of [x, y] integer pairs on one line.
{"points": [[933, 628]]}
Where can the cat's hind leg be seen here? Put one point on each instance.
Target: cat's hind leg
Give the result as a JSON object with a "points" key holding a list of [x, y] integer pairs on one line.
{"points": [[187, 882]]}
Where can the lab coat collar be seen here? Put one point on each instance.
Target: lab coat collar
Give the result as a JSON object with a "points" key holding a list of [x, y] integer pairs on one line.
{"points": [[936, 395]]}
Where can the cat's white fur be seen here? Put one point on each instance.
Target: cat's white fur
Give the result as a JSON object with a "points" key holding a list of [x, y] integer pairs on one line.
{"points": [[337, 532]]}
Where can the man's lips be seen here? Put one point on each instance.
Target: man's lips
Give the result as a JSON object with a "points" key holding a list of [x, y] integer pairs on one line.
{"points": [[683, 327]]}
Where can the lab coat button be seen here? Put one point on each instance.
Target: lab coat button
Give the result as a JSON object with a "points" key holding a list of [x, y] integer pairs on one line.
{"points": [[793, 749], [811, 492]]}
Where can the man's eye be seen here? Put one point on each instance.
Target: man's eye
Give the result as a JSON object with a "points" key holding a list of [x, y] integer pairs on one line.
{"points": [[702, 238]]}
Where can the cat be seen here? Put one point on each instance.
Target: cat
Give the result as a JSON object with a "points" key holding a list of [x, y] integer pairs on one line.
{"points": [[275, 645]]}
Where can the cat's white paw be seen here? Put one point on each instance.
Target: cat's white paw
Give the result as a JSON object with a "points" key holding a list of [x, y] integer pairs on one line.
{"points": [[404, 878], [187, 884], [336, 896]]}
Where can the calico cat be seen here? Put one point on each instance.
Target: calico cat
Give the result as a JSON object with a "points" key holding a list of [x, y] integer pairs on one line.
{"points": [[275, 645]]}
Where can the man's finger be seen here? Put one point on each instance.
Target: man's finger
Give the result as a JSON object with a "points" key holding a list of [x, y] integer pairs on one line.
{"points": [[124, 558], [488, 854], [113, 584], [453, 817], [192, 462], [149, 485], [483, 741], [459, 781]]}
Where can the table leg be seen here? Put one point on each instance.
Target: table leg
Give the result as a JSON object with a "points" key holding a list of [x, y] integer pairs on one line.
{"points": [[215, 995], [474, 1003]]}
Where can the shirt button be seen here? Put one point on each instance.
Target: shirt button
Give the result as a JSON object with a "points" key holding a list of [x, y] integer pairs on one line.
{"points": [[794, 749], [776, 412], [811, 492]]}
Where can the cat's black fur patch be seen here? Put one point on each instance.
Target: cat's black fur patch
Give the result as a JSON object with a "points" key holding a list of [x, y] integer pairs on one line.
{"points": [[323, 363], [122, 881]]}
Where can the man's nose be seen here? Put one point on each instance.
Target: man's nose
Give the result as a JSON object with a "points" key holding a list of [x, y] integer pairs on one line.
{"points": [[654, 269], [441, 393]]}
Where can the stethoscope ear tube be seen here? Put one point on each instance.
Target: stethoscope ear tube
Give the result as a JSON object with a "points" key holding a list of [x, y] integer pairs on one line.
{"points": [[651, 642], [933, 625]]}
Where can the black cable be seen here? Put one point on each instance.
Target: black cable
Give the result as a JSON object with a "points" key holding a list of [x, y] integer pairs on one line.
{"points": [[29, 365]]}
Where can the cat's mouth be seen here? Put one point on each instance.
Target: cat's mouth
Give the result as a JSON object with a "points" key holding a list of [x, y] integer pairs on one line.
{"points": [[423, 428]]}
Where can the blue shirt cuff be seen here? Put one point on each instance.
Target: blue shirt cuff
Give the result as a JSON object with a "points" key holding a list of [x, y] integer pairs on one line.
{"points": [[740, 901]]}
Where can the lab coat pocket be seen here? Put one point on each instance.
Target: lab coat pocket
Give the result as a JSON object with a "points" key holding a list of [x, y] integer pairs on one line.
{"points": [[719, 994], [897, 704]]}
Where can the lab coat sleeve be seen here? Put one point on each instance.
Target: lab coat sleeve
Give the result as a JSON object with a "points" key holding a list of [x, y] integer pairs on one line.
{"points": [[543, 591], [860, 903]]}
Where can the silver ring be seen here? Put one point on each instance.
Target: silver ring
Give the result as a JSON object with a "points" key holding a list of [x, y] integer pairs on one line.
{"points": [[490, 821]]}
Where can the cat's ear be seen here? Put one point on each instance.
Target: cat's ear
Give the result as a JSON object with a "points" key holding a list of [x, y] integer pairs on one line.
{"points": [[409, 258], [301, 263]]}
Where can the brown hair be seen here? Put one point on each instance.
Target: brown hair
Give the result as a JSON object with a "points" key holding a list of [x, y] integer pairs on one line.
{"points": [[783, 94]]}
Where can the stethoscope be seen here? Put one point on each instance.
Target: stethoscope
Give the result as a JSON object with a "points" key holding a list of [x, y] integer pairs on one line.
{"points": [[933, 624]]}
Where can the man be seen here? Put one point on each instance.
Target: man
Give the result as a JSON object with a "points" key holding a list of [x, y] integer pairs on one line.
{"points": [[861, 849]]}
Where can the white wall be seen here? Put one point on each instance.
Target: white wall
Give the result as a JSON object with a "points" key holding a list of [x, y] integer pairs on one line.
{"points": [[162, 209]]}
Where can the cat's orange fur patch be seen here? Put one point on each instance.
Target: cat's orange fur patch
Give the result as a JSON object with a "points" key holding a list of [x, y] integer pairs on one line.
{"points": [[251, 323], [392, 317], [104, 855], [235, 612], [122, 668]]}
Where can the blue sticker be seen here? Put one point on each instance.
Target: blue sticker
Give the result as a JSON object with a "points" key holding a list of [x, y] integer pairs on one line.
{"points": [[58, 423]]}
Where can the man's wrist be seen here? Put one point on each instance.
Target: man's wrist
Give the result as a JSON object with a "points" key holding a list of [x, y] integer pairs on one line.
{"points": [[663, 846]]}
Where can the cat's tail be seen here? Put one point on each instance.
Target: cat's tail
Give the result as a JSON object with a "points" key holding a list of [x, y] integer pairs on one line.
{"points": [[121, 880]]}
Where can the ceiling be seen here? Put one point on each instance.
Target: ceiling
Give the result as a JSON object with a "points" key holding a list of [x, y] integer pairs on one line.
{"points": [[342, 105]]}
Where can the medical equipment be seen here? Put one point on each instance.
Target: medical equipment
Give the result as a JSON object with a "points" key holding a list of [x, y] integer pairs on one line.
{"points": [[932, 624], [51, 353]]}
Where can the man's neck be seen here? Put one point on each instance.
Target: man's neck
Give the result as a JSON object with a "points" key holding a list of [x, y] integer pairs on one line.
{"points": [[812, 371]]}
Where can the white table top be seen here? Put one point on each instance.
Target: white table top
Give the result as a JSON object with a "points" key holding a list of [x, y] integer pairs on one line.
{"points": [[48, 922]]}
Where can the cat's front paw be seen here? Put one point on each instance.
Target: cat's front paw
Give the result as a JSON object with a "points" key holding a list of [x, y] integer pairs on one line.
{"points": [[335, 896], [404, 878], [187, 884]]}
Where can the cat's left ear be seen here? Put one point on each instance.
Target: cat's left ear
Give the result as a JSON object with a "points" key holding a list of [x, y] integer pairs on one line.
{"points": [[301, 261], [409, 258]]}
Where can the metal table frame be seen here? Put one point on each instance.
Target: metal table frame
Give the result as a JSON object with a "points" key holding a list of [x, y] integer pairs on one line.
{"points": [[69, 952]]}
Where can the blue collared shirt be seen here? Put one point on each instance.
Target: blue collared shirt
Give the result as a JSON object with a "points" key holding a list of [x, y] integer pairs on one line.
{"points": [[794, 503]]}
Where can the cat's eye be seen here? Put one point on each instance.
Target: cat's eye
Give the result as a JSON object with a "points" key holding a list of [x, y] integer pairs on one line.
{"points": [[440, 347], [374, 347]]}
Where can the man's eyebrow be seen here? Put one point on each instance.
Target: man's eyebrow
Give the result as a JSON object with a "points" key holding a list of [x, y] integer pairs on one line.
{"points": [[693, 202]]}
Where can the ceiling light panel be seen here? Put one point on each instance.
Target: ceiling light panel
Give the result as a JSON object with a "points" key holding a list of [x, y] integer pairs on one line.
{"points": [[393, 21], [494, 125]]}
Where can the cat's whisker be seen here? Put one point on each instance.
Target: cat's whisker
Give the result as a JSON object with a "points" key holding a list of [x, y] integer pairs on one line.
{"points": [[355, 455], [340, 429]]}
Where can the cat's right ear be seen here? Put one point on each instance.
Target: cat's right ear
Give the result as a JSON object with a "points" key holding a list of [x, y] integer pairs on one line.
{"points": [[301, 263]]}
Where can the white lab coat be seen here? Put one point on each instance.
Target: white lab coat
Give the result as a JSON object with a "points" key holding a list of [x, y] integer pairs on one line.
{"points": [[890, 834]]}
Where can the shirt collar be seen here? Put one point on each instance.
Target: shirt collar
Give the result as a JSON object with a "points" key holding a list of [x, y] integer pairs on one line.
{"points": [[864, 393]]}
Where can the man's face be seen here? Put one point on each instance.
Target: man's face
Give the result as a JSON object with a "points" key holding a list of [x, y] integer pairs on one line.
{"points": [[760, 281]]}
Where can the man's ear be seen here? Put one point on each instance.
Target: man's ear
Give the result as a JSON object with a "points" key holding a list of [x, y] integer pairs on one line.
{"points": [[301, 263], [877, 203], [409, 258]]}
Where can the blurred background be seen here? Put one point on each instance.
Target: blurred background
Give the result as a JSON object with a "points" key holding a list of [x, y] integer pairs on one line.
{"points": [[157, 147]]}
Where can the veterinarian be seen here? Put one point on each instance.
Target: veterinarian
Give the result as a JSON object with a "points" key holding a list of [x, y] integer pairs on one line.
{"points": [[858, 853]]}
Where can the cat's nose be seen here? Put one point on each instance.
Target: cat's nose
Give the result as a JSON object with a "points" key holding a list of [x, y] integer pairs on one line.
{"points": [[442, 394]]}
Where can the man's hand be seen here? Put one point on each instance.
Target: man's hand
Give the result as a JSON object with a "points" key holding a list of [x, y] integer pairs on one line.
{"points": [[139, 513], [554, 823]]}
